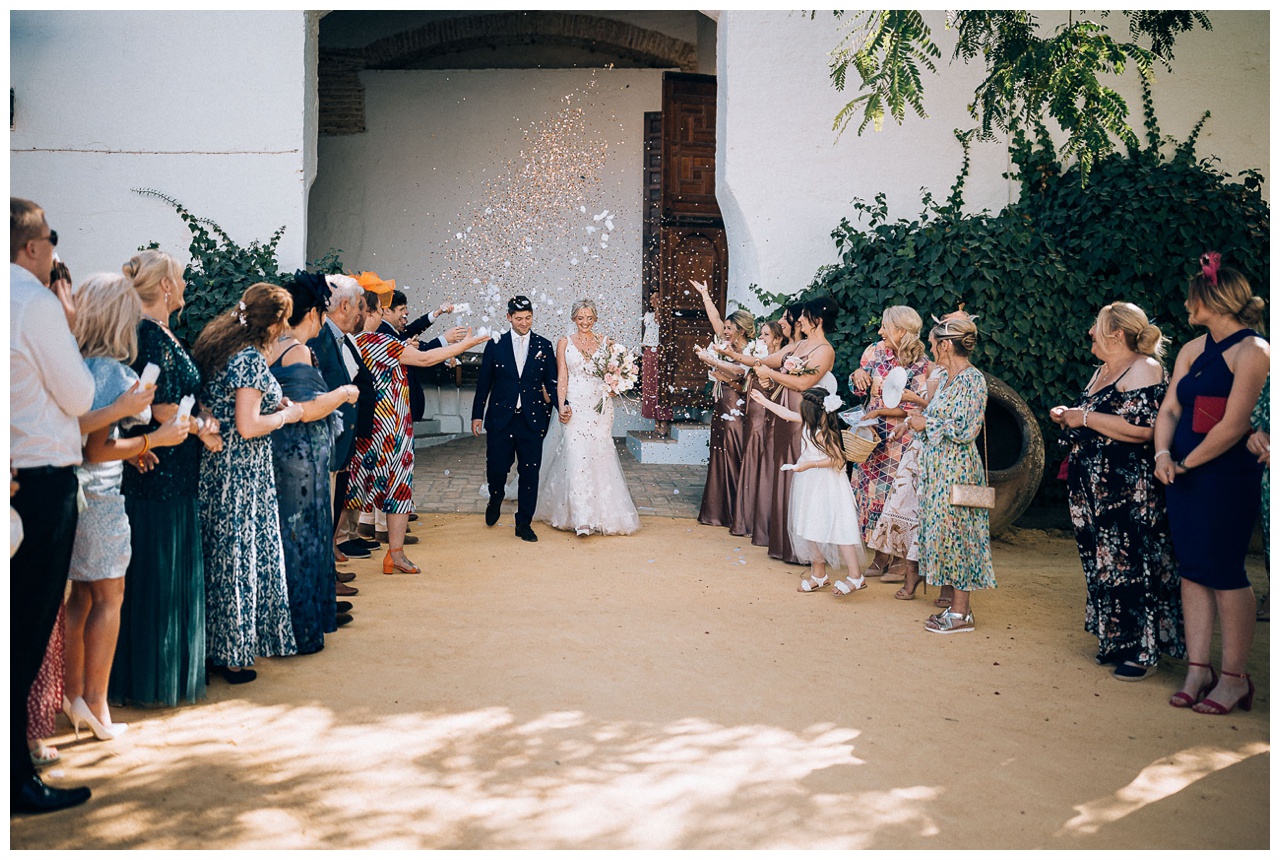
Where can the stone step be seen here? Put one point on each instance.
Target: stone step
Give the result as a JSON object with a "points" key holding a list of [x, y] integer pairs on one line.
{"points": [[689, 444]]}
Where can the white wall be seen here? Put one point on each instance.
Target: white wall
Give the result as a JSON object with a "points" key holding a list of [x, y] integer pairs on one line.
{"points": [[443, 146], [784, 180], [206, 107]]}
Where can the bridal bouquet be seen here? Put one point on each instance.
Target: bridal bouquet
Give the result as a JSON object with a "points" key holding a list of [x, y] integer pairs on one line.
{"points": [[617, 368]]}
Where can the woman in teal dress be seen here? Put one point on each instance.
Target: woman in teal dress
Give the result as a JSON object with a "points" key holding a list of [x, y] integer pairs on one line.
{"points": [[246, 596], [301, 458], [955, 541], [160, 654]]}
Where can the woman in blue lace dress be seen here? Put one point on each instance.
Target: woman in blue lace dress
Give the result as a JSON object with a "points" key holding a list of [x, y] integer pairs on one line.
{"points": [[247, 599], [301, 457], [1212, 481]]}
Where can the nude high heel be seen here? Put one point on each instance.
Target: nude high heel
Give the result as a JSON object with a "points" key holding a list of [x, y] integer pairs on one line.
{"points": [[80, 713]]}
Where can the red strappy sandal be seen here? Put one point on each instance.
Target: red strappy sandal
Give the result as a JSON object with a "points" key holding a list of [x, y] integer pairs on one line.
{"points": [[1244, 703], [1184, 700]]}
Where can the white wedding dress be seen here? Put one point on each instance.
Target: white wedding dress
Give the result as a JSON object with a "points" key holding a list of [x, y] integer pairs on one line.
{"points": [[581, 487]]}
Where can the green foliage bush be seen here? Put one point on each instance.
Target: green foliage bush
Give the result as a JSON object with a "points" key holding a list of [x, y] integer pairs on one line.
{"points": [[221, 269], [1037, 273]]}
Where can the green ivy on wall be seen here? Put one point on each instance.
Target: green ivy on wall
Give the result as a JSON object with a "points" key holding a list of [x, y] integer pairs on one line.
{"points": [[1037, 273], [221, 269]]}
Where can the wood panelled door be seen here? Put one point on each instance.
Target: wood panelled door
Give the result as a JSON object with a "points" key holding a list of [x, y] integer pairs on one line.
{"points": [[691, 242]]}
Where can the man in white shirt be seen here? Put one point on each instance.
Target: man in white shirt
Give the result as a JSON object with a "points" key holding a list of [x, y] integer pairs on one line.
{"points": [[49, 388]]}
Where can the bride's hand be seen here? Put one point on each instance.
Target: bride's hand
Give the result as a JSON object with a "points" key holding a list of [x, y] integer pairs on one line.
{"points": [[565, 414]]}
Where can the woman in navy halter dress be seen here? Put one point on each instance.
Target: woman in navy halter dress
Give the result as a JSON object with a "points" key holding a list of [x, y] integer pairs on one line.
{"points": [[1213, 483]]}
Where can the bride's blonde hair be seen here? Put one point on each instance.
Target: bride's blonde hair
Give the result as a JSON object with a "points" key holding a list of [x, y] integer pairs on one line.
{"points": [[584, 303]]}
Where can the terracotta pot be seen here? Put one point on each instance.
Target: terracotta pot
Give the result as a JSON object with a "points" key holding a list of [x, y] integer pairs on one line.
{"points": [[1016, 449]]}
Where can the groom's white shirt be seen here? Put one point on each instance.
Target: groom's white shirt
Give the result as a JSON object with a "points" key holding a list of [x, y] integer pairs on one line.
{"points": [[520, 348]]}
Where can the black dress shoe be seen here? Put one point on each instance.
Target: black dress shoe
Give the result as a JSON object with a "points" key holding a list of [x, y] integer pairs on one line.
{"points": [[34, 797], [345, 606], [526, 533], [413, 518], [345, 576], [243, 676], [351, 549], [492, 511], [366, 543], [344, 618]]}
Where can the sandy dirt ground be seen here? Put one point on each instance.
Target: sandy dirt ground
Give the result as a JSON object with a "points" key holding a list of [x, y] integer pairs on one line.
{"points": [[672, 690]]}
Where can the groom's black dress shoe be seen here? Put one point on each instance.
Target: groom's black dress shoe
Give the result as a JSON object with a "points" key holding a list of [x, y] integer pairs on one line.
{"points": [[526, 533], [34, 796], [492, 511]]}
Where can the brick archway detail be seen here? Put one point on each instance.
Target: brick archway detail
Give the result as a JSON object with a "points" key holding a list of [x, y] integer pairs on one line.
{"points": [[342, 95]]}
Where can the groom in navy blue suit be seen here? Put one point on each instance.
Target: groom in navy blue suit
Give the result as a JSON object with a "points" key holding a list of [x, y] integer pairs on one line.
{"points": [[518, 383]]}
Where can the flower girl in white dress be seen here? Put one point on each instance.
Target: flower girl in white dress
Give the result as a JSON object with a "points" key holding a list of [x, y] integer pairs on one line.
{"points": [[823, 517]]}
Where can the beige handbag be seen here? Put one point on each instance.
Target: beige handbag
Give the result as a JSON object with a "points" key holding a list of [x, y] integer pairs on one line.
{"points": [[976, 495]]}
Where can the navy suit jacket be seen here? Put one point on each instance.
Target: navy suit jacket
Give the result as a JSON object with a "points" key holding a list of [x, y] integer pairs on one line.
{"points": [[500, 386], [328, 354]]}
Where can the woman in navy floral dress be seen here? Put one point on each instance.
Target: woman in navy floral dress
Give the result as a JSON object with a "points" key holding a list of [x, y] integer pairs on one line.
{"points": [[1133, 602], [245, 590]]}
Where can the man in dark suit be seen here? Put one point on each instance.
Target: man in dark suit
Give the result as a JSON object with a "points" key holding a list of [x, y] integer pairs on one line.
{"points": [[340, 364], [517, 382]]}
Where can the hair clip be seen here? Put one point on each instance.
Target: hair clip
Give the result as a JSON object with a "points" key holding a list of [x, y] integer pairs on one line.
{"points": [[1210, 262]]}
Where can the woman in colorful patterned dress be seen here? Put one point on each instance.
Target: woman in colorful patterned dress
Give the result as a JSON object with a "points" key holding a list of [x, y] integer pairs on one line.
{"points": [[300, 453], [1259, 445], [1117, 506], [728, 413], [872, 480], [160, 652], [381, 471], [955, 541], [1213, 483], [245, 588]]}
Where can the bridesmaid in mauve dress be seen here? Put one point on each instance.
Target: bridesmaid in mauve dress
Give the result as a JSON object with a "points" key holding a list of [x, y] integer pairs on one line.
{"points": [[816, 357], [755, 483], [728, 420]]}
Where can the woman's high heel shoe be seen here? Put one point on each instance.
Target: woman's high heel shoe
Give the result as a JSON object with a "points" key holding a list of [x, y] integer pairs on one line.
{"points": [[390, 565], [66, 709], [1184, 700], [1244, 703], [905, 593], [80, 713]]}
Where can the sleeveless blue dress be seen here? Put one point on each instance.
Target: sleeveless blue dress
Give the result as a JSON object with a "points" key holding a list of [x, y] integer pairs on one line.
{"points": [[1213, 507]]}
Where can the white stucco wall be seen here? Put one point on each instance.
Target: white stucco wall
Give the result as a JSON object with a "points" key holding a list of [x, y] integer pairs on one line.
{"points": [[206, 107], [784, 180]]}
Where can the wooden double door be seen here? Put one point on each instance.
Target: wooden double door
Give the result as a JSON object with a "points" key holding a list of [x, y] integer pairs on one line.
{"points": [[683, 232]]}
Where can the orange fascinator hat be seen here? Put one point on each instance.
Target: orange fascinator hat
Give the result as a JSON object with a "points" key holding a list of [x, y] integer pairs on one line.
{"points": [[371, 282]]}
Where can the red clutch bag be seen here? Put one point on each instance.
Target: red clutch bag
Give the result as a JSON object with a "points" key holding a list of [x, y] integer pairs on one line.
{"points": [[1207, 412]]}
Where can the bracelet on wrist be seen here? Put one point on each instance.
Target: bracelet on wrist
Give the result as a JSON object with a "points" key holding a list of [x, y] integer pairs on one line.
{"points": [[146, 443], [1164, 451], [1084, 421]]}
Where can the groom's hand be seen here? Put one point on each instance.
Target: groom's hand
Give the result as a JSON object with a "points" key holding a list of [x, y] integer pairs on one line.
{"points": [[565, 414], [476, 425]]}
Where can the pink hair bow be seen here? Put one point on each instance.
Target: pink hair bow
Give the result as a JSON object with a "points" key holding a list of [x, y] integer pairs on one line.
{"points": [[1210, 261]]}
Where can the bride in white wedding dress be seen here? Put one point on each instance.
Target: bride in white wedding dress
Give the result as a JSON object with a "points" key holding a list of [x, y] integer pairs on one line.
{"points": [[581, 486]]}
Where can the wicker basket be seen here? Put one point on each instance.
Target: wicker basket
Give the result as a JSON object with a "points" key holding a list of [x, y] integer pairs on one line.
{"points": [[858, 446]]}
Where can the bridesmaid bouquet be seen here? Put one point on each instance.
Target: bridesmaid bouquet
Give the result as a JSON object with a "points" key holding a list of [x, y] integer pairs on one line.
{"points": [[617, 368], [797, 365]]}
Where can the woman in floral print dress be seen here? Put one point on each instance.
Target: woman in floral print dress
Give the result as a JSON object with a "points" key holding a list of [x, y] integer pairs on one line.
{"points": [[873, 479], [955, 542], [247, 597], [1133, 604]]}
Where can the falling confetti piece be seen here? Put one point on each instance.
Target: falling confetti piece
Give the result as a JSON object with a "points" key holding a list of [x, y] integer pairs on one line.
{"points": [[677, 492], [446, 473]]}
